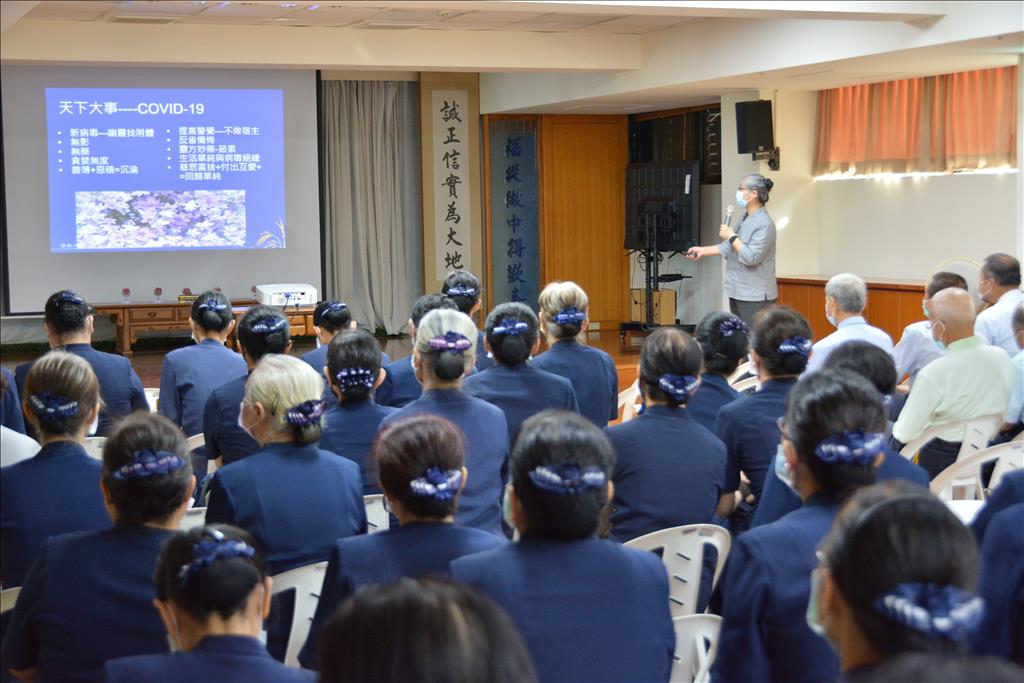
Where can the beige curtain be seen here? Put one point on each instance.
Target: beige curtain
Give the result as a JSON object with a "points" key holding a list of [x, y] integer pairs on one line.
{"points": [[373, 236]]}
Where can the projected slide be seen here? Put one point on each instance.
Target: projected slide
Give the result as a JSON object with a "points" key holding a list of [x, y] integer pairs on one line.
{"points": [[165, 169]]}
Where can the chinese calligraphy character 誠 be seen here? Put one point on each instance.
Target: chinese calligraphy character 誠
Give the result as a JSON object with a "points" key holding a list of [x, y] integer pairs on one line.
{"points": [[452, 218]]}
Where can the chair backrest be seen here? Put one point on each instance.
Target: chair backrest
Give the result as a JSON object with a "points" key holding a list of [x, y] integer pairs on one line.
{"points": [[629, 401], [8, 598], [965, 473], [965, 510], [744, 368], [307, 583], [696, 647], [977, 432], [682, 553], [152, 397], [377, 518], [197, 441], [747, 384], [94, 446], [193, 517]]}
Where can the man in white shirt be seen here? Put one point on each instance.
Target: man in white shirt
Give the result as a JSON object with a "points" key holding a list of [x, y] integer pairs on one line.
{"points": [[999, 286], [1015, 413], [916, 347], [972, 379], [846, 295]]}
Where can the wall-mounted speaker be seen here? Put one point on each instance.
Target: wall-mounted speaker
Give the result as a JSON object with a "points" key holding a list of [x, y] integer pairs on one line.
{"points": [[754, 127]]}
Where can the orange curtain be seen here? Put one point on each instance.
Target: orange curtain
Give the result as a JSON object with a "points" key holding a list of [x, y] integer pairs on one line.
{"points": [[940, 123]]}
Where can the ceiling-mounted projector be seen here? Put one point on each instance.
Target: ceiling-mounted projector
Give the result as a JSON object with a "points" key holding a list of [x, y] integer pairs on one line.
{"points": [[286, 295]]}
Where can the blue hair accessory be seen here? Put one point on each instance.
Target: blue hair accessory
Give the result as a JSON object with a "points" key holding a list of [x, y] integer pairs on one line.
{"points": [[461, 290], [66, 297], [212, 549], [52, 407], [148, 463], [798, 345], [269, 324], [732, 325], [567, 477], [336, 306], [569, 314], [306, 413], [679, 387], [437, 483], [851, 446], [212, 305], [945, 612], [510, 326], [451, 341], [353, 378]]}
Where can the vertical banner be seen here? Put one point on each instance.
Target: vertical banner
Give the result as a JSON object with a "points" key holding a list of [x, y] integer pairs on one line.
{"points": [[453, 234], [512, 192]]}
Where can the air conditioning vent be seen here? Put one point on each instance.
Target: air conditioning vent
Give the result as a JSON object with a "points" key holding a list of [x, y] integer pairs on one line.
{"points": [[147, 19]]}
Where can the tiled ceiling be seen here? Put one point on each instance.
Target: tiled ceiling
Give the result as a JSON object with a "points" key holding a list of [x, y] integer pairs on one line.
{"points": [[388, 15]]}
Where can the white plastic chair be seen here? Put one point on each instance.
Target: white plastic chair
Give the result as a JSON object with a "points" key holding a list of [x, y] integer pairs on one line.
{"points": [[152, 397], [377, 518], [94, 446], [629, 399], [965, 510], [977, 432], [747, 384], [744, 368], [1005, 465], [307, 583], [8, 598], [197, 441], [682, 553], [965, 474], [193, 517], [696, 647]]}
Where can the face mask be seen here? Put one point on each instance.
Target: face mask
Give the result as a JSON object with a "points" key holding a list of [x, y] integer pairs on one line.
{"points": [[938, 342], [173, 639], [813, 614], [831, 318], [241, 425], [94, 425], [782, 470], [981, 294], [924, 309], [740, 200], [506, 509]]}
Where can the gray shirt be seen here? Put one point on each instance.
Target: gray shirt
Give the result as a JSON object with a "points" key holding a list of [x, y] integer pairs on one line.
{"points": [[750, 273]]}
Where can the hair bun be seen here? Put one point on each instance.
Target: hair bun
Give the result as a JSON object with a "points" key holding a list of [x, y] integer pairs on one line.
{"points": [[769, 184]]}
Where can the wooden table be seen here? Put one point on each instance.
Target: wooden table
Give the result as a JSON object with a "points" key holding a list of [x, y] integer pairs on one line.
{"points": [[131, 319]]}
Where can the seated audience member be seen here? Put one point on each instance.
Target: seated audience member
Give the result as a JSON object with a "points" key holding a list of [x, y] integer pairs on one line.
{"points": [[422, 472], [1014, 420], [191, 373], [588, 609], [876, 366], [563, 313], [846, 297], [442, 357], [1001, 584], [353, 372], [330, 318], [15, 447], [669, 470], [970, 380], [1010, 491], [896, 576], [295, 499], [261, 330], [10, 406], [89, 596], [513, 384], [916, 347], [425, 631], [724, 341], [212, 593], [832, 440], [69, 327], [463, 288], [57, 490], [780, 346], [400, 386], [945, 668], [999, 287]]}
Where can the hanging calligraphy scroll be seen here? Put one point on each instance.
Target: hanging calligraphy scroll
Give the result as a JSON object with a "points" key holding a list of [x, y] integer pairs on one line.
{"points": [[452, 235]]}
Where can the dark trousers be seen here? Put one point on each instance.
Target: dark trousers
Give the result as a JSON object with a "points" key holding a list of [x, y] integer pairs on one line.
{"points": [[746, 310], [937, 455]]}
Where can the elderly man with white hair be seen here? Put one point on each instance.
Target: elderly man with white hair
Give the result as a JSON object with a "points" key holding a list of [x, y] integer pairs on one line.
{"points": [[846, 296]]}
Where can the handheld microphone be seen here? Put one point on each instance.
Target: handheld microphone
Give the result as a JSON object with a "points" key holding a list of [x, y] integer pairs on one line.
{"points": [[728, 215]]}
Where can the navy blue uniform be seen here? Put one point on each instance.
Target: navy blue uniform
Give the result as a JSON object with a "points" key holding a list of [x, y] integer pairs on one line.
{"points": [[54, 492], [295, 500], [87, 598], [214, 659], [777, 499], [1001, 584], [189, 377], [317, 359], [669, 471], [483, 361], [588, 610], [522, 391], [414, 550], [120, 387], [713, 393], [765, 588], [10, 404], [487, 448], [1009, 492], [593, 376], [224, 438], [400, 387], [349, 430]]}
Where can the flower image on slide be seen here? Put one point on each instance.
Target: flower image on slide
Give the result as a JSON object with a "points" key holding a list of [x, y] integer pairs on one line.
{"points": [[160, 219]]}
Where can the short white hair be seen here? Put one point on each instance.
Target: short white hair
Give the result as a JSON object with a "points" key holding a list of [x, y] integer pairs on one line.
{"points": [[849, 291], [280, 382]]}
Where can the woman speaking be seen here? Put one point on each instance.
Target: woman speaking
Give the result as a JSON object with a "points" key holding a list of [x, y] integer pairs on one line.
{"points": [[749, 251]]}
